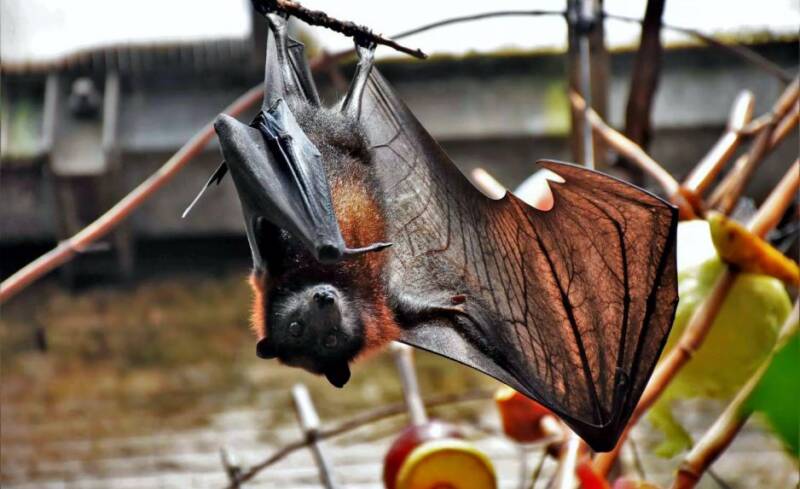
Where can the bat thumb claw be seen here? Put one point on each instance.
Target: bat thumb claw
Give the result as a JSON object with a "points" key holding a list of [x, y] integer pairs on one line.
{"points": [[367, 249]]}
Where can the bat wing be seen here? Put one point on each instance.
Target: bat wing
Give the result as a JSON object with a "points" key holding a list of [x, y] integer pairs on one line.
{"points": [[570, 306]]}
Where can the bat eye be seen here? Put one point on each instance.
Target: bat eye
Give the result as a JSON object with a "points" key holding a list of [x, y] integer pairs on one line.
{"points": [[296, 329], [330, 341]]}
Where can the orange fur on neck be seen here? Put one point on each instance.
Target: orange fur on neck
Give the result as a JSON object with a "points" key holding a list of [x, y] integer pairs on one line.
{"points": [[380, 329], [258, 317]]}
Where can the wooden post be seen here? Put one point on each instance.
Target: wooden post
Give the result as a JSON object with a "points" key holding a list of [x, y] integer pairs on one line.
{"points": [[112, 178], [644, 82]]}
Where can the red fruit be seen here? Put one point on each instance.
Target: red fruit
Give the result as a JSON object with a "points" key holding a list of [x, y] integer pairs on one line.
{"points": [[589, 478], [410, 438], [520, 415]]}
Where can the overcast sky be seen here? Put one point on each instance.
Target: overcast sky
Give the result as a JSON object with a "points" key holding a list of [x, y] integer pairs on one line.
{"points": [[42, 31]]}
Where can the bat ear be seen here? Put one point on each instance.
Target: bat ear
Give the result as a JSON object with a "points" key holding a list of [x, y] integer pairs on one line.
{"points": [[338, 374], [265, 350]]}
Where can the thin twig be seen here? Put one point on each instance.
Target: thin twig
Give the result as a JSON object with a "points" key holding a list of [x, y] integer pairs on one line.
{"points": [[474, 17], [735, 49], [537, 471], [634, 153], [731, 421], [637, 460], [361, 34], [78, 243], [359, 421], [703, 317]]}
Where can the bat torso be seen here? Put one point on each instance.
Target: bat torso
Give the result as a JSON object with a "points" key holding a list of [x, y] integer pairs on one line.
{"points": [[360, 212]]}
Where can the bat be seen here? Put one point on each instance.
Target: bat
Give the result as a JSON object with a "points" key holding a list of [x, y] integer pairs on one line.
{"points": [[363, 232]]}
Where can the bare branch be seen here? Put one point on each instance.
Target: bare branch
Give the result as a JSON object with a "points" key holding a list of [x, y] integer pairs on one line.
{"points": [[471, 18], [735, 49], [644, 78], [361, 34], [634, 153]]}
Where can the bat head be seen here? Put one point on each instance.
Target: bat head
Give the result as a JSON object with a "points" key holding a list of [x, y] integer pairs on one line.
{"points": [[316, 329]]}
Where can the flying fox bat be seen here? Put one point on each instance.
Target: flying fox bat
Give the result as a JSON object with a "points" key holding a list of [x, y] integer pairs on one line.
{"points": [[570, 306]]}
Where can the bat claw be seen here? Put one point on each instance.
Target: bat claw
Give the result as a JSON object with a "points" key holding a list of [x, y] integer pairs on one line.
{"points": [[366, 249]]}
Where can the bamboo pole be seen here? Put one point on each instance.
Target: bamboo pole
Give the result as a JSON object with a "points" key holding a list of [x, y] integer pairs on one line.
{"points": [[712, 163], [727, 193]]}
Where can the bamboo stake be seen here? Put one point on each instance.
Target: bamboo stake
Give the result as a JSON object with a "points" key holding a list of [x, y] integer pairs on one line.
{"points": [[727, 193], [704, 173], [736, 414], [700, 323]]}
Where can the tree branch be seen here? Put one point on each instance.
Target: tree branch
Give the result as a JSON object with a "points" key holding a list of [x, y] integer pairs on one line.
{"points": [[712, 163], [361, 34], [644, 79]]}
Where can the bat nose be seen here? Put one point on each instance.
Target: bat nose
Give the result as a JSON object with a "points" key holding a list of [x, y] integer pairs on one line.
{"points": [[324, 298]]}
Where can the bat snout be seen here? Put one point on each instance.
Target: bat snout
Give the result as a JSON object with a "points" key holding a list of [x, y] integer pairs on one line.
{"points": [[324, 298]]}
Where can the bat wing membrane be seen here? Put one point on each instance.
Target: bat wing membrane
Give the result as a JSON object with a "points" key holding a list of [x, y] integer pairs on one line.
{"points": [[570, 306]]}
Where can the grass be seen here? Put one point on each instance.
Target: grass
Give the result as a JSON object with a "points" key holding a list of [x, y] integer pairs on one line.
{"points": [[164, 355]]}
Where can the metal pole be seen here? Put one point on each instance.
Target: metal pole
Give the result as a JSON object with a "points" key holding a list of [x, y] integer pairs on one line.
{"points": [[581, 14]]}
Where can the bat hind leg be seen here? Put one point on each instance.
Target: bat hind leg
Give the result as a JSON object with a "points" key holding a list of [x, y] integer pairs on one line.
{"points": [[289, 82], [412, 309], [351, 105]]}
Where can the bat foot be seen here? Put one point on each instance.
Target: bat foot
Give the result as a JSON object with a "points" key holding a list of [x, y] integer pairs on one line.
{"points": [[450, 306]]}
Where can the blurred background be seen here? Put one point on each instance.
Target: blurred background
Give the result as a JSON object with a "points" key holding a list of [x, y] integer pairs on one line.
{"points": [[133, 364]]}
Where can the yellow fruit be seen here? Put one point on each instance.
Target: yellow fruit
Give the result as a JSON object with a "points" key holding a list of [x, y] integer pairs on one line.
{"points": [[444, 464], [738, 246], [742, 334]]}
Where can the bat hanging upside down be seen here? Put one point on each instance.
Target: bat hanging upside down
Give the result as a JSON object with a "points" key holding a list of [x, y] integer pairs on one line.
{"points": [[363, 232]]}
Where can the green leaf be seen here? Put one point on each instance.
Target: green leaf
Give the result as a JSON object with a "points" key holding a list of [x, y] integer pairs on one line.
{"points": [[777, 395]]}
